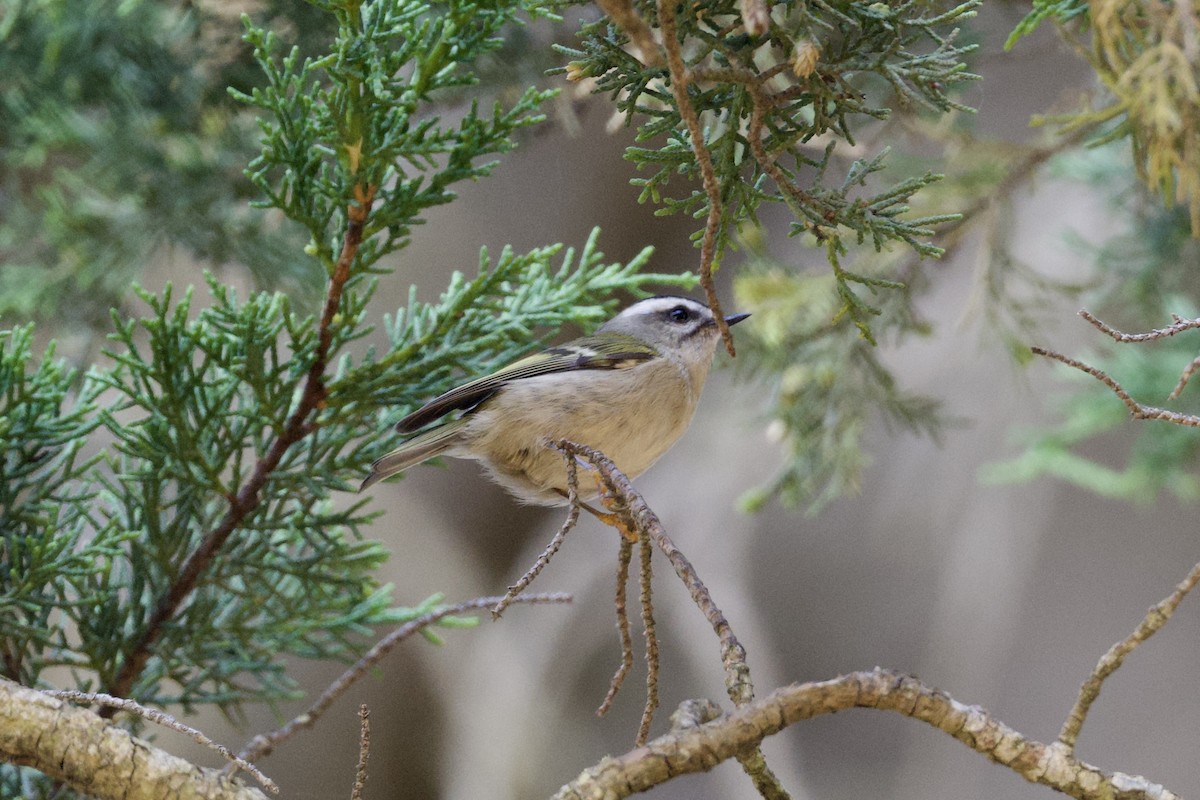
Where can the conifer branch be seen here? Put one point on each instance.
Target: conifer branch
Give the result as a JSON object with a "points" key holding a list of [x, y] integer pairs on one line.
{"points": [[247, 497], [681, 78]]}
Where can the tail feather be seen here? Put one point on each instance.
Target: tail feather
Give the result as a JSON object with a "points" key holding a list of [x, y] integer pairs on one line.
{"points": [[414, 451]]}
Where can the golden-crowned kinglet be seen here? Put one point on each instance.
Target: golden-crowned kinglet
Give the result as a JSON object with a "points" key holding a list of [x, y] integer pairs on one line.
{"points": [[628, 390]]}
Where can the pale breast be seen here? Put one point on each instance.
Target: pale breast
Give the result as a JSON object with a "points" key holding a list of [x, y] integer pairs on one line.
{"points": [[610, 410]]}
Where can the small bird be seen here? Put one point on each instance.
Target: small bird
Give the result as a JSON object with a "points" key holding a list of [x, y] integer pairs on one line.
{"points": [[629, 390]]}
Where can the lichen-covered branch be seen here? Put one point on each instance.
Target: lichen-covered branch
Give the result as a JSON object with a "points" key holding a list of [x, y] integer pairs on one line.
{"points": [[92, 756], [167, 721], [699, 748]]}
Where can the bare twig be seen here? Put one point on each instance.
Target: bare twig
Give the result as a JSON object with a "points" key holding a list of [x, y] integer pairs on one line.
{"points": [[263, 744], [167, 721], [646, 551], [364, 751], [246, 499], [1184, 378], [618, 678], [699, 748], [1158, 615], [552, 548], [620, 497], [1136, 409], [1180, 326], [1111, 661], [680, 79]]}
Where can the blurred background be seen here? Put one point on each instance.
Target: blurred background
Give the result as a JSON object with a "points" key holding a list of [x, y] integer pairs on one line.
{"points": [[1001, 594]]}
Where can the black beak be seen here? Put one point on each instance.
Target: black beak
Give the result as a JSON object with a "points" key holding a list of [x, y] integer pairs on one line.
{"points": [[734, 319]]}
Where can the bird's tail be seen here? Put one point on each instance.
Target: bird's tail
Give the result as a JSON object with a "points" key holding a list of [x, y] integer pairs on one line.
{"points": [[414, 451]]}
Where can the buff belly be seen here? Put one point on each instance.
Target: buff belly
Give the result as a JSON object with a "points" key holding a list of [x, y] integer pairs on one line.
{"points": [[546, 408]]}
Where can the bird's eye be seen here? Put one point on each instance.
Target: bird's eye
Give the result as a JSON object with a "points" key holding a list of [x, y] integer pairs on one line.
{"points": [[680, 314]]}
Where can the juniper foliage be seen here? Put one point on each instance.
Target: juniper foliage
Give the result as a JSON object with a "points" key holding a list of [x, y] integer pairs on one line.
{"points": [[777, 111], [206, 535]]}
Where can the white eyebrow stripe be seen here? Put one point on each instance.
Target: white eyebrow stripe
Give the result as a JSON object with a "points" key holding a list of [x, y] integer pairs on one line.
{"points": [[658, 304]]}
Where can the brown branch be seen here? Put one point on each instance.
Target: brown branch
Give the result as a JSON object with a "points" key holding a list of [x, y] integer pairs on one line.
{"points": [[364, 751], [89, 754], [802, 200], [1136, 409], [542, 560], [1111, 661], [263, 744], [627, 504], [1180, 326], [700, 748], [246, 499], [618, 678], [652, 661], [1186, 376], [680, 79]]}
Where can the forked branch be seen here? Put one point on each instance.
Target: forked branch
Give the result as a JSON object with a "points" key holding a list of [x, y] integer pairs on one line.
{"points": [[1159, 614], [700, 747], [1137, 409], [635, 516]]}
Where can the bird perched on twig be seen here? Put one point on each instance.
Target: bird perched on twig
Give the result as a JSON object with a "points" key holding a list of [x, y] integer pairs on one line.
{"points": [[629, 390]]}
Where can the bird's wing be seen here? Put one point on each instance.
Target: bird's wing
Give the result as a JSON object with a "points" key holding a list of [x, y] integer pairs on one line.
{"points": [[610, 351]]}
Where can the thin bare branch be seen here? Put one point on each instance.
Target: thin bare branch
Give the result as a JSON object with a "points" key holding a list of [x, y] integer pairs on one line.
{"points": [[701, 747], [646, 551], [1111, 661], [1180, 326], [627, 504], [167, 721], [364, 752], [1136, 409], [1184, 378], [618, 678], [263, 744], [552, 548]]}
